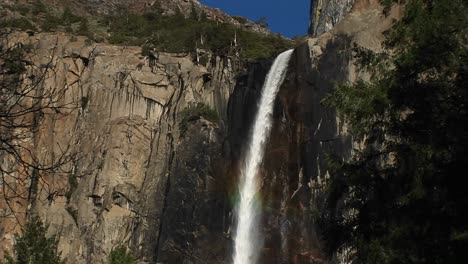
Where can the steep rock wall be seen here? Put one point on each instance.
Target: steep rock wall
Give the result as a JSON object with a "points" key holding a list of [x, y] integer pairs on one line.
{"points": [[121, 133]]}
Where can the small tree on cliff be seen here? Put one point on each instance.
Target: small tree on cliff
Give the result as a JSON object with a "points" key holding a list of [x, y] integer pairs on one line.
{"points": [[33, 247], [121, 255], [263, 22]]}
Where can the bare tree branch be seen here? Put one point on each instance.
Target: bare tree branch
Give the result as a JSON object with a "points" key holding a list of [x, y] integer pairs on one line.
{"points": [[25, 102]]}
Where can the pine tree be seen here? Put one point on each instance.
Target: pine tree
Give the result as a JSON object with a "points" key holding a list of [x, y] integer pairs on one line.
{"points": [[120, 255], [404, 194], [33, 247]]}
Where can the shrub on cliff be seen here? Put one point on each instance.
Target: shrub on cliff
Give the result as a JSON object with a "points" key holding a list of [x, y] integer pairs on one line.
{"points": [[83, 28], [20, 23], [32, 246], [38, 8], [195, 112], [48, 20], [121, 255], [68, 17]]}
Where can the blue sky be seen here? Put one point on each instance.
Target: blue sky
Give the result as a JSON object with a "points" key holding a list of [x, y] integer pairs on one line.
{"points": [[288, 17]]}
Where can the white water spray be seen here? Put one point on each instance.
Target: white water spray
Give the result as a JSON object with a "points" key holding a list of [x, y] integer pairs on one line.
{"points": [[247, 241]]}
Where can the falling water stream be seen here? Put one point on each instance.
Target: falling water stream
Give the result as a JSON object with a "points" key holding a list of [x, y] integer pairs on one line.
{"points": [[247, 240]]}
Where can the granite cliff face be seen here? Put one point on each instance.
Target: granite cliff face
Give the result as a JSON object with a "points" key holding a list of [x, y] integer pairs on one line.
{"points": [[135, 180], [124, 139], [325, 14]]}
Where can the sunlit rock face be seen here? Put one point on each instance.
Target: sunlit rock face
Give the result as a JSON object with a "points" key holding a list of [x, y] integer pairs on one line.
{"points": [[325, 14], [129, 164]]}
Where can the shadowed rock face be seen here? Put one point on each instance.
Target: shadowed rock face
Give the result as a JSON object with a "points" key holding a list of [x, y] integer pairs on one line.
{"points": [[170, 197], [195, 218], [303, 132]]}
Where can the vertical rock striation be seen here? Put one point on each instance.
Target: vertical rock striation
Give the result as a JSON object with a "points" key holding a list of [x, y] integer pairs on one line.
{"points": [[325, 14], [129, 164]]}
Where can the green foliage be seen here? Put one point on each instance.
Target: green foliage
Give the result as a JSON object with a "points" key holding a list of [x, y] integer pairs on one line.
{"points": [[22, 9], [69, 18], [179, 34], [194, 14], [121, 255], [72, 185], [33, 246], [50, 22], [38, 7], [13, 59], [402, 199], [20, 23], [387, 3], [83, 28], [153, 30], [195, 112], [363, 103], [262, 22]]}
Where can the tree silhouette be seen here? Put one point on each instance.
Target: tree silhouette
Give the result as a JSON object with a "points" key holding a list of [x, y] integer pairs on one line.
{"points": [[402, 198]]}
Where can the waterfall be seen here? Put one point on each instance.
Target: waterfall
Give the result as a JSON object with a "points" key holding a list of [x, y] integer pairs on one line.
{"points": [[247, 240]]}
